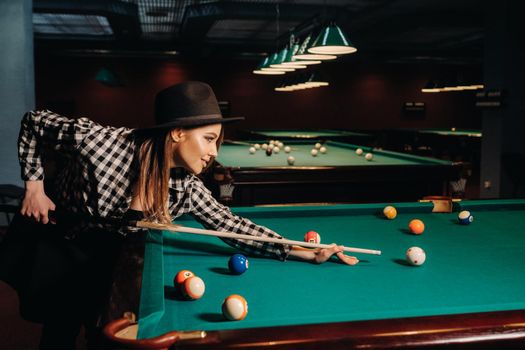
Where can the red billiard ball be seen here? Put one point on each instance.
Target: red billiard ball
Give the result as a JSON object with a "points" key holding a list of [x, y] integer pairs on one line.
{"points": [[312, 237]]}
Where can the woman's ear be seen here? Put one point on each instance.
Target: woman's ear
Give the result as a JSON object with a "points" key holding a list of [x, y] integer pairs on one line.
{"points": [[176, 135]]}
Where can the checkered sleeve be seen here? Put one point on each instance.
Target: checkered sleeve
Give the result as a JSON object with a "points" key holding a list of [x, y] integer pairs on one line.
{"points": [[215, 216], [45, 128]]}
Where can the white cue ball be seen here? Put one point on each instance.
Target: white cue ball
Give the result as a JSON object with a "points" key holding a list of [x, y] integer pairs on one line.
{"points": [[322, 149], [416, 256], [314, 152], [252, 150], [276, 149], [369, 156], [318, 145], [359, 151], [257, 146], [287, 149], [264, 146], [291, 160]]}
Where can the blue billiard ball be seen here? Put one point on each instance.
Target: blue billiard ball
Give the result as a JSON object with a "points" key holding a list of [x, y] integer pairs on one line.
{"points": [[465, 217], [238, 264]]}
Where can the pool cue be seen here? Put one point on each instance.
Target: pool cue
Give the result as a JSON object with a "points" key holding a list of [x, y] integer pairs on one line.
{"points": [[178, 228]]}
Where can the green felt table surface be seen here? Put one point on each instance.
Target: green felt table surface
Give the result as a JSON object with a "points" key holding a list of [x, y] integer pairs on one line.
{"points": [[473, 268], [338, 154], [306, 134], [449, 132]]}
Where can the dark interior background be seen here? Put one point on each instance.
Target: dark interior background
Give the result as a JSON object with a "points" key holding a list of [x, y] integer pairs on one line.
{"points": [[362, 95]]}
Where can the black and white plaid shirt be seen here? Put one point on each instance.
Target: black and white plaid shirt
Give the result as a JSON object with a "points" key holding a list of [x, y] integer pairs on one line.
{"points": [[100, 170]]}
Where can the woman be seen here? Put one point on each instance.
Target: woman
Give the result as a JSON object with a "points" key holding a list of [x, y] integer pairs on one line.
{"points": [[118, 173]]}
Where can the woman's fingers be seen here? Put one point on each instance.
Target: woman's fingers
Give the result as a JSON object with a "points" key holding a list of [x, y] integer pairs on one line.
{"points": [[325, 254], [37, 208], [349, 260], [44, 218]]}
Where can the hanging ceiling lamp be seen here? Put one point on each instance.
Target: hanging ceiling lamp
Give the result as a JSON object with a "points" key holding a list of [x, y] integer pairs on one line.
{"points": [[281, 59], [107, 77], [264, 64], [303, 54], [430, 86], [316, 80], [332, 41], [290, 59], [273, 60]]}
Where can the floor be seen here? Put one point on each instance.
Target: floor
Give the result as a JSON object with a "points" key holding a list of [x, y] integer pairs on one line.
{"points": [[16, 333]]}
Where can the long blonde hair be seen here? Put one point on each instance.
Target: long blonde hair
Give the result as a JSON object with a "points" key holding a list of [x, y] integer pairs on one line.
{"points": [[152, 188]]}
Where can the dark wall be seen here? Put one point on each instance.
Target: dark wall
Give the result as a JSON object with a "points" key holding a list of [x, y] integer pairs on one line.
{"points": [[361, 95]]}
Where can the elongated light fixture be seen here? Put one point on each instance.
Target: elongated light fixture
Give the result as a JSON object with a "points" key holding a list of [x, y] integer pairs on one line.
{"points": [[430, 86], [273, 60], [281, 58], [290, 59], [315, 80], [264, 64]]}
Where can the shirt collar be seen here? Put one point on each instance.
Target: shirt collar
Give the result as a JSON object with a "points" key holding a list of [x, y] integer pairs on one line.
{"points": [[178, 177]]}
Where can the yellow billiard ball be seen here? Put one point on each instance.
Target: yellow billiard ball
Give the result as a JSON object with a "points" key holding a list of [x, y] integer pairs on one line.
{"points": [[390, 212]]}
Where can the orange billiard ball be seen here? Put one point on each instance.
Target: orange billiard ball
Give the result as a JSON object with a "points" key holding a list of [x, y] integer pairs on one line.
{"points": [[193, 288], [182, 276], [416, 226], [235, 308]]}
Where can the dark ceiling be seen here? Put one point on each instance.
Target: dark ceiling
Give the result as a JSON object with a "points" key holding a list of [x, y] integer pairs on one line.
{"points": [[442, 31]]}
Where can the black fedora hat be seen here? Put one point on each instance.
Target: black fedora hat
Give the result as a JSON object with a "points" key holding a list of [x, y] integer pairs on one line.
{"points": [[188, 104]]}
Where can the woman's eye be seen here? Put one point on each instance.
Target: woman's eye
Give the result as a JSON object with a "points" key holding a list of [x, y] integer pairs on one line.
{"points": [[209, 139]]}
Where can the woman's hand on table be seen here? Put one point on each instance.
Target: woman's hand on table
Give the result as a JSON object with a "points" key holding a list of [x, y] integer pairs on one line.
{"points": [[320, 255]]}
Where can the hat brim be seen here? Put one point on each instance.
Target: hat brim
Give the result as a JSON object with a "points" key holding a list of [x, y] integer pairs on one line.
{"points": [[194, 122]]}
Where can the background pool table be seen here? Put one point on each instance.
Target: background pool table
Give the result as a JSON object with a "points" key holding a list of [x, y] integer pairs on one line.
{"points": [[309, 134], [453, 144], [469, 293], [337, 176]]}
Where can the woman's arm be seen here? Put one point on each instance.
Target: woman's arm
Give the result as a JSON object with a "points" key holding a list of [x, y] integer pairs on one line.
{"points": [[39, 129], [216, 216]]}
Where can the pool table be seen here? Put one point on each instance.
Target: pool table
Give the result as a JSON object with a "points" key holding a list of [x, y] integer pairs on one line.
{"points": [[242, 179], [453, 132], [468, 294], [309, 134], [454, 144]]}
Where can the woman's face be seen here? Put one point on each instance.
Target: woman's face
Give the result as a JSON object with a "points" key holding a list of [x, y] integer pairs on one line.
{"points": [[193, 149]]}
